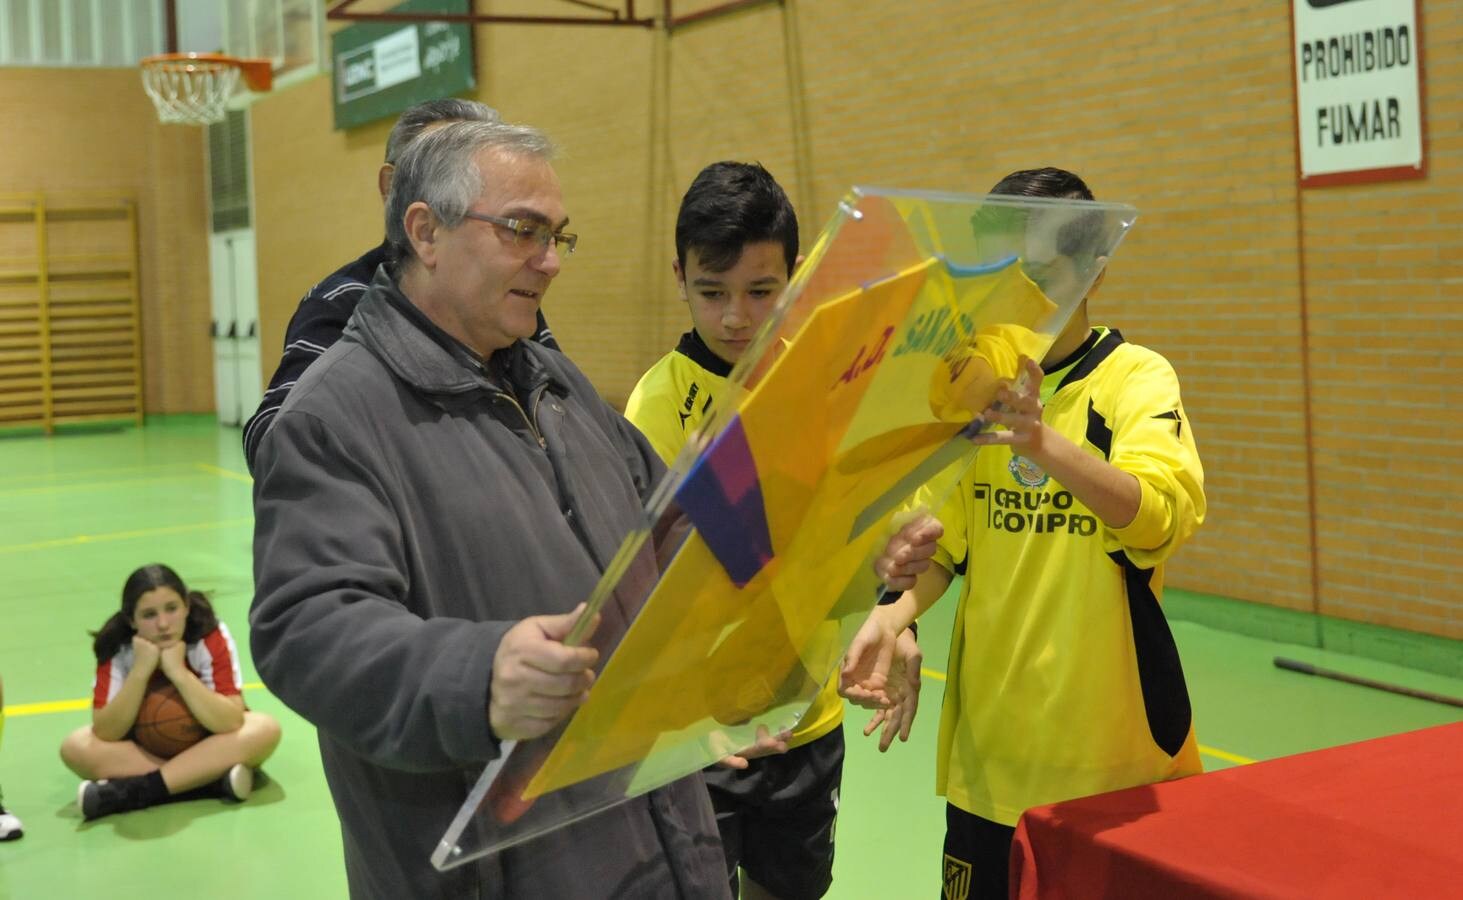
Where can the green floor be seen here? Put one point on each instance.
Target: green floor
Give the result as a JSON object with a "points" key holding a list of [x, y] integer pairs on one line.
{"points": [[80, 511]]}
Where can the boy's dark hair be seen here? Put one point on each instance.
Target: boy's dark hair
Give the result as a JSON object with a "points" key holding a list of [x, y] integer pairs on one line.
{"points": [[1088, 229], [1046, 182], [117, 631], [729, 206]]}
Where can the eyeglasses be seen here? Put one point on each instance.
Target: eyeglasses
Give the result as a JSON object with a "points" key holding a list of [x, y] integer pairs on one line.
{"points": [[527, 231]]}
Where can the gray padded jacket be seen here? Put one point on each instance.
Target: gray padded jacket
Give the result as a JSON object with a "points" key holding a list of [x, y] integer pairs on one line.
{"points": [[408, 512]]}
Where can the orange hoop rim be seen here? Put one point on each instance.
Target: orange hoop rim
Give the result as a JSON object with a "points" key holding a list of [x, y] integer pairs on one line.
{"points": [[258, 73]]}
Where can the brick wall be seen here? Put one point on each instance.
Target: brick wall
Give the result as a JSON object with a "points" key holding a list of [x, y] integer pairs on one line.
{"points": [[1183, 110], [95, 130]]}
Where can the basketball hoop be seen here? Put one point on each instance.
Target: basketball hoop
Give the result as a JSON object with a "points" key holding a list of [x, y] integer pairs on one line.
{"points": [[194, 88]]}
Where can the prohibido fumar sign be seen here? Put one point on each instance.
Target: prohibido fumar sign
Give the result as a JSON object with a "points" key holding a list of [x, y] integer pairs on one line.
{"points": [[1358, 90]]}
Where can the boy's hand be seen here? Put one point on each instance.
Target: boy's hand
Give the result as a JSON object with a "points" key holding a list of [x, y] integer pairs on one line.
{"points": [[908, 552], [1018, 407], [864, 678], [767, 744], [903, 691]]}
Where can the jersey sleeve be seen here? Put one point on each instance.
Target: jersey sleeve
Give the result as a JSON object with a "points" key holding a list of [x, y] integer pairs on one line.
{"points": [[216, 660], [951, 507], [1153, 441], [654, 409], [109, 678]]}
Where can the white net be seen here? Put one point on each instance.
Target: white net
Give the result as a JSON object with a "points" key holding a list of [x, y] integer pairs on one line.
{"points": [[190, 92]]}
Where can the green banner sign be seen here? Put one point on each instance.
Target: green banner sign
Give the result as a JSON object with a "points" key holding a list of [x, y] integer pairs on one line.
{"points": [[380, 69]]}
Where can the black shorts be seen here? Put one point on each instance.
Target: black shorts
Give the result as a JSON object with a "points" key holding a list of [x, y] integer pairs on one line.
{"points": [[977, 862], [777, 816]]}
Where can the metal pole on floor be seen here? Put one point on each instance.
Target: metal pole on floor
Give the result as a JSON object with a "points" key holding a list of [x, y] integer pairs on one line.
{"points": [[1308, 669]]}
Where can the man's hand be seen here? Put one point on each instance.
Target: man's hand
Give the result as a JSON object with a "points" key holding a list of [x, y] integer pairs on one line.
{"points": [[537, 681], [903, 692], [908, 552]]}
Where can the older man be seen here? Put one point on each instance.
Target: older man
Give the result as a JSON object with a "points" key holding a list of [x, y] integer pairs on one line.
{"points": [[433, 500], [324, 310]]}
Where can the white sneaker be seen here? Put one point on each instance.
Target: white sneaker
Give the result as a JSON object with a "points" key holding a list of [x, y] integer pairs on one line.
{"points": [[238, 783], [9, 826]]}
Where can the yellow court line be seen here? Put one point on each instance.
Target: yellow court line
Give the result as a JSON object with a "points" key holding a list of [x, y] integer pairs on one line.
{"points": [[122, 535], [1226, 755], [33, 709], [81, 473], [1207, 751], [225, 473], [97, 485], [55, 706]]}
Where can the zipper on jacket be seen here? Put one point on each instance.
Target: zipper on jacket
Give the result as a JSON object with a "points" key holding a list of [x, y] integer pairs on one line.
{"points": [[527, 420], [567, 504]]}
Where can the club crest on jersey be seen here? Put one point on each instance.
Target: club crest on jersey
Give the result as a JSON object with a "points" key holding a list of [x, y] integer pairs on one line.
{"points": [[1026, 472]]}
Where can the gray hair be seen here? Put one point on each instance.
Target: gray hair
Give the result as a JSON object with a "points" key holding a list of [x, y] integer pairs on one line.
{"points": [[417, 118], [440, 169]]}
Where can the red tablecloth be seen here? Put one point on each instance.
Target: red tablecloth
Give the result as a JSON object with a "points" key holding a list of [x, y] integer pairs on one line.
{"points": [[1380, 818]]}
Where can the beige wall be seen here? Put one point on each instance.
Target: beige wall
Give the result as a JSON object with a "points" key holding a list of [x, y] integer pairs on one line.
{"points": [[1183, 110], [95, 130]]}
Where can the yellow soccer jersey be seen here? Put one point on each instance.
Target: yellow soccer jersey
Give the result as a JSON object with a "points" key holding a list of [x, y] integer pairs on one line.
{"points": [[1064, 678], [668, 405]]}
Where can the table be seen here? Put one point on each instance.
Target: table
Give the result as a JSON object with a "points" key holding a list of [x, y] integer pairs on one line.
{"points": [[1379, 818]]}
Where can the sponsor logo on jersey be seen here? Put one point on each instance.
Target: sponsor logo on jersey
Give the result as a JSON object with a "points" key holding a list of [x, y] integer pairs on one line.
{"points": [[1042, 512]]}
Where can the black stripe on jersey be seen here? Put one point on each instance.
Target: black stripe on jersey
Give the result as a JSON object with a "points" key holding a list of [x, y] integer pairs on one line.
{"points": [[1101, 351], [1099, 434], [693, 347], [1173, 414], [981, 492], [1087, 345], [1161, 675]]}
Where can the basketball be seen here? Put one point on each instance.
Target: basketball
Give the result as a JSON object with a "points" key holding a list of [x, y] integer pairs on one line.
{"points": [[164, 725]]}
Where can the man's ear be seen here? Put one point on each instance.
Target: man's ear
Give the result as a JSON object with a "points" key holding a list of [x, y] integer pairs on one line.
{"points": [[422, 229], [1100, 275], [680, 279], [383, 179]]}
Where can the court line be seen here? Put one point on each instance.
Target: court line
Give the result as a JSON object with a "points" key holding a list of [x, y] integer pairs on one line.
{"points": [[122, 535], [204, 468], [99, 485], [55, 706], [1207, 751], [81, 473], [1226, 755], [225, 473]]}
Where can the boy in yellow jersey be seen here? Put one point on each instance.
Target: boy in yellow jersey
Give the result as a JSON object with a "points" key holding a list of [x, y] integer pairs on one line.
{"points": [[1064, 680], [736, 245]]}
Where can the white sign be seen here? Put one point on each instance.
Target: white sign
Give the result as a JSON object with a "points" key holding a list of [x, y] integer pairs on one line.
{"points": [[379, 64], [1358, 90]]}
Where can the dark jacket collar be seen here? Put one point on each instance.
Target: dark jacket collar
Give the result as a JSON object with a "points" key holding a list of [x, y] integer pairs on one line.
{"points": [[429, 359]]}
